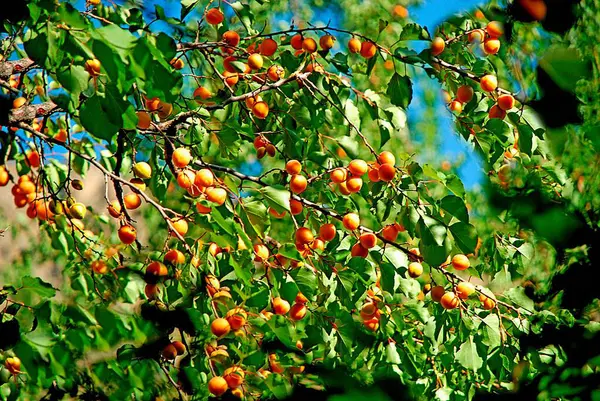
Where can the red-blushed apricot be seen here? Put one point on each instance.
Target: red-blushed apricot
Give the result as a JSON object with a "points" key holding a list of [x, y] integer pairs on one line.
{"points": [[386, 172], [174, 257], [33, 158], [99, 267], [488, 83], [27, 187], [293, 167], [298, 311], [276, 214], [327, 232], [476, 35], [151, 291], [179, 346], [318, 244], [351, 221], [127, 233], [138, 183], [338, 175], [494, 29], [217, 386], [368, 49], [232, 38], [415, 269], [165, 110], [460, 262], [31, 211], [455, 106], [386, 157], [437, 293], [271, 150], [309, 45], [296, 41], [298, 183], [275, 72], [216, 195], [464, 94], [437, 46], [177, 63], [236, 318], [228, 64], [185, 178], [358, 167], [231, 78], [488, 303], [496, 112], [114, 209], [156, 268], [368, 240], [268, 47], [390, 232], [202, 209], [326, 42], [260, 110], [354, 184], [464, 289], [506, 102], [372, 324], [13, 365], [179, 225], [274, 364], [255, 61], [234, 376], [152, 104], [92, 67], [261, 252], [359, 251], [296, 207], [537, 9], [368, 311], [449, 301], [354, 45], [169, 352], [214, 16], [220, 327], [491, 46], [304, 235], [181, 157], [300, 298], [201, 93], [132, 201], [280, 306], [144, 121], [343, 188]]}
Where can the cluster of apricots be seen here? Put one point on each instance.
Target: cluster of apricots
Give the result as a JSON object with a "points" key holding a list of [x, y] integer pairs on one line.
{"points": [[173, 350]]}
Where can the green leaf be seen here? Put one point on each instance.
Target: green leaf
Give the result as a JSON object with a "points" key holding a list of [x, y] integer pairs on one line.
{"points": [[456, 207], [391, 354], [465, 236], [467, 355], [278, 198], [518, 297], [414, 32], [400, 90], [38, 286], [491, 334], [566, 66]]}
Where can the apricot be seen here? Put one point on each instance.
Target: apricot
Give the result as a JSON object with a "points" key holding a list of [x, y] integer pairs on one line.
{"points": [[464, 289], [165, 110], [368, 49], [275, 72], [476, 35], [142, 170], [217, 386], [220, 327], [255, 61], [327, 232], [78, 210], [298, 311], [373, 174], [232, 38], [372, 324], [390, 232], [309, 45], [151, 291], [132, 201], [386, 157], [351, 221], [368, 240], [236, 318], [368, 311], [260, 110], [33, 158], [268, 47], [127, 234], [261, 252], [201, 93], [231, 78], [234, 376], [359, 251], [179, 225], [326, 42], [177, 63], [280, 306], [338, 175], [386, 172], [358, 167], [13, 364], [179, 346], [506, 102], [181, 157], [185, 178], [4, 177], [494, 29], [464, 94], [491, 46], [18, 102], [296, 41], [354, 184], [415, 269], [152, 104], [114, 209], [489, 83], [460, 262], [174, 257], [298, 183], [455, 106], [304, 235], [99, 267], [449, 301], [537, 9], [354, 45], [27, 187], [214, 16], [343, 188], [92, 67], [488, 303], [437, 46], [169, 352], [296, 207], [437, 292], [496, 112], [400, 11], [204, 178], [156, 268], [446, 98], [293, 167]]}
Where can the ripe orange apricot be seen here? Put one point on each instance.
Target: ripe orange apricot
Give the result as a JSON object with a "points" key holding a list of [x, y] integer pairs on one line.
{"points": [[216, 195], [491, 46], [400, 11], [537, 9], [437, 293], [236, 318], [372, 324], [217, 386], [151, 291], [92, 67], [201, 93], [351, 221], [488, 303], [179, 346], [152, 104], [234, 376], [127, 233], [326, 42], [309, 45], [132, 201], [358, 167], [450, 301], [373, 174], [368, 49], [354, 45], [298, 183], [327, 232], [464, 289], [304, 235], [275, 72], [169, 352], [260, 110], [298, 311], [99, 267], [4, 177], [33, 158], [261, 252], [293, 167], [174, 257], [180, 226], [386, 157], [368, 240], [489, 83], [368, 311], [296, 41], [204, 178], [387, 172], [359, 251], [390, 232], [214, 16], [231, 78], [177, 63], [415, 269], [280, 306], [496, 112], [437, 46], [114, 209], [255, 61], [296, 207], [460, 262], [464, 94], [354, 184], [338, 175], [494, 29], [268, 47], [18, 102], [13, 364], [181, 157], [476, 35], [343, 188], [506, 102], [232, 38], [220, 327], [156, 268], [455, 106]]}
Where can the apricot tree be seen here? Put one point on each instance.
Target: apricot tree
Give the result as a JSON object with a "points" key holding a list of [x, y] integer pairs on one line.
{"points": [[198, 276]]}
